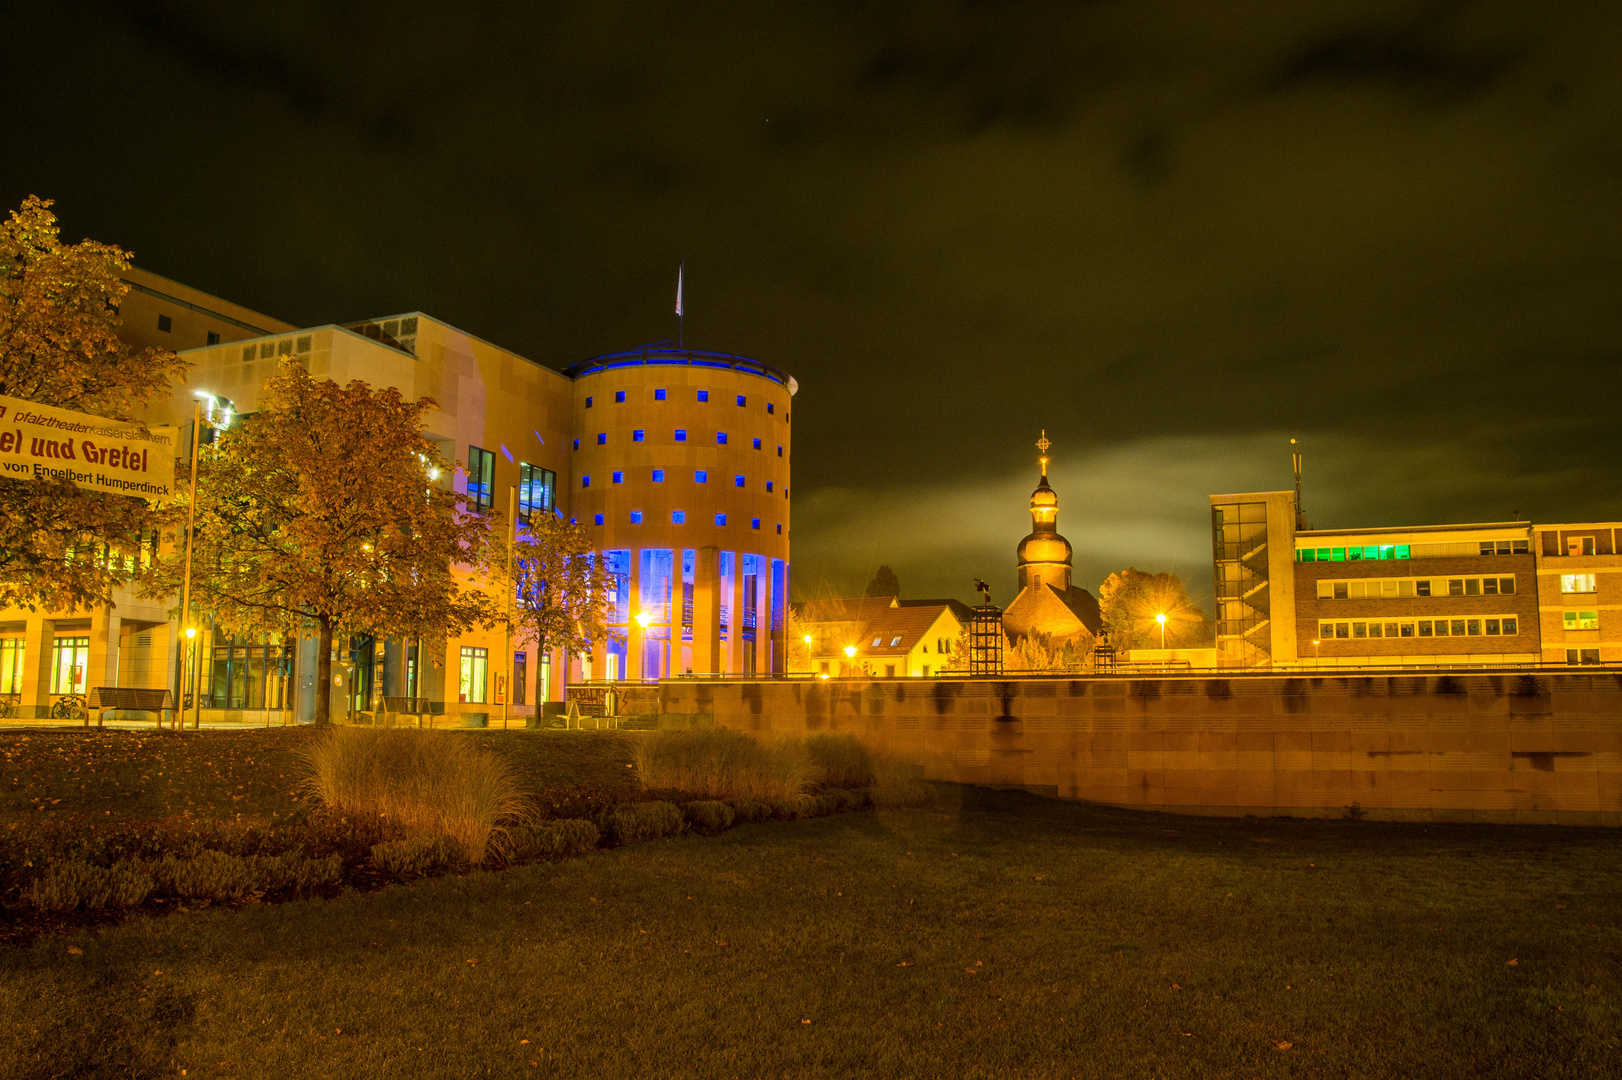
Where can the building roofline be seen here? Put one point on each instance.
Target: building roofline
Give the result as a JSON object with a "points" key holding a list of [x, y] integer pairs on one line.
{"points": [[1416, 529], [661, 353]]}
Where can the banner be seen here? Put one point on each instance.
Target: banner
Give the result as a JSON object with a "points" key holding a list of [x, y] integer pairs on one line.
{"points": [[41, 441]]}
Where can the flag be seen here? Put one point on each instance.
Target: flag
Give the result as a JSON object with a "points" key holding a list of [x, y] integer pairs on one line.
{"points": [[679, 270]]}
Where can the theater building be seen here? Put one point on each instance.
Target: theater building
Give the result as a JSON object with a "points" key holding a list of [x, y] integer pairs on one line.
{"points": [[675, 460]]}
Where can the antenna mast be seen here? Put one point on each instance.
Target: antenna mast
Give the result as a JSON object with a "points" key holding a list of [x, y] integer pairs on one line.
{"points": [[1295, 460]]}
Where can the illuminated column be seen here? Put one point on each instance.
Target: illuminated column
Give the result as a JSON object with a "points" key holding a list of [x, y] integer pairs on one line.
{"points": [[633, 630], [707, 612], [36, 689]]}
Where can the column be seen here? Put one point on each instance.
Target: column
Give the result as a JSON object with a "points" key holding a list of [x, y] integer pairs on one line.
{"points": [[707, 612], [36, 692]]}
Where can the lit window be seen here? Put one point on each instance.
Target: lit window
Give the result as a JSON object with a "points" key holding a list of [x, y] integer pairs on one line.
{"points": [[703, 395], [602, 438], [619, 396], [779, 451], [737, 481], [1576, 583], [757, 444], [770, 408], [779, 528], [636, 517], [636, 436], [894, 642], [70, 664], [658, 395], [768, 485], [599, 518], [681, 435], [588, 403], [756, 522], [658, 476], [721, 438], [701, 477], [577, 444], [678, 517], [585, 481], [576, 521], [481, 478], [619, 478], [877, 640], [742, 401], [475, 667], [1582, 620], [535, 488], [720, 519]]}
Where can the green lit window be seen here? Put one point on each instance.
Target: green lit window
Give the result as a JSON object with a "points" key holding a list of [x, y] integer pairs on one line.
{"points": [[11, 665], [474, 674], [1582, 620], [1337, 554], [70, 662]]}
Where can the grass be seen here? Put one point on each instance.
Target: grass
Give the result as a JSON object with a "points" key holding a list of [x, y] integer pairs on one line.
{"points": [[421, 781], [998, 935], [719, 763]]}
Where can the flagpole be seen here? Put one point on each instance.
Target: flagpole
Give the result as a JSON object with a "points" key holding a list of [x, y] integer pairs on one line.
{"points": [[681, 313]]}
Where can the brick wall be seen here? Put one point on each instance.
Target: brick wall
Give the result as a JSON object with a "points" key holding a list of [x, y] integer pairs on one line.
{"points": [[1499, 747]]}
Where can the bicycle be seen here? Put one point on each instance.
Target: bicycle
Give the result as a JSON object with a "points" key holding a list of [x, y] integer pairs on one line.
{"points": [[68, 707]]}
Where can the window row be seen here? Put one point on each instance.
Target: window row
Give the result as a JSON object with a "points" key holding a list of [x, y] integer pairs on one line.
{"points": [[1491, 626], [660, 394], [677, 517], [1374, 552], [1388, 588], [641, 435], [700, 476]]}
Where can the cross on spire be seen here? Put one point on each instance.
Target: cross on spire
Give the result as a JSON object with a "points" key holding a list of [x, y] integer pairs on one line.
{"points": [[1042, 444]]}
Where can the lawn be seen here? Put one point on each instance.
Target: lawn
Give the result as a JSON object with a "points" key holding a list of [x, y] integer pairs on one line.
{"points": [[995, 934]]}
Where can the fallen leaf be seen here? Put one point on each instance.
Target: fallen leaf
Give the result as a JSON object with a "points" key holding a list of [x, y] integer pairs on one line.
{"points": [[805, 1021], [905, 963], [1283, 1045], [74, 950], [1512, 963], [523, 1042], [1188, 1034], [1174, 986]]}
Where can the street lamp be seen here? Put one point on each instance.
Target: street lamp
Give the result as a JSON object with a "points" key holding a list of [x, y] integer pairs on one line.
{"points": [[643, 618], [1161, 619], [1316, 652]]}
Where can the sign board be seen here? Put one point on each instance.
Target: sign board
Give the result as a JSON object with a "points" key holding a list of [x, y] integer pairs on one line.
{"points": [[110, 456]]}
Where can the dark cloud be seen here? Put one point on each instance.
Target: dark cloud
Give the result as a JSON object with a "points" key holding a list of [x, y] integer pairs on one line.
{"points": [[1171, 233]]}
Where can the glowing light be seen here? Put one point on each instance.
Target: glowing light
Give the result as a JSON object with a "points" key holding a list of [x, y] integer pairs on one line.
{"points": [[824, 675], [850, 650], [643, 618], [1161, 619], [191, 632], [808, 639]]}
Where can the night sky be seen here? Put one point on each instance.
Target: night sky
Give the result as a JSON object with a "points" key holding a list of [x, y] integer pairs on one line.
{"points": [[1171, 234]]}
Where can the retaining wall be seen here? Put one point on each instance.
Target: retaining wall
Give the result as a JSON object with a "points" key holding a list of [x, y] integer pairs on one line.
{"points": [[1501, 747]]}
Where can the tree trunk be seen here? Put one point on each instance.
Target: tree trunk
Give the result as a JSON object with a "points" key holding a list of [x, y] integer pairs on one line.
{"points": [[323, 674]]}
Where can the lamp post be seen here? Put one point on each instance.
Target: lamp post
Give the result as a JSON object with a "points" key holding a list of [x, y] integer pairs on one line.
{"points": [[1161, 619], [191, 528], [1317, 654], [850, 654]]}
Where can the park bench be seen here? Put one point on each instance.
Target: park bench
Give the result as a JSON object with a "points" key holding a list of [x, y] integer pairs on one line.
{"points": [[411, 706], [128, 698]]}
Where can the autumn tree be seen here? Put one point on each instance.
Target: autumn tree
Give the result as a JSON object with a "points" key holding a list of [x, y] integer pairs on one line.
{"points": [[1129, 601], [321, 512], [562, 592], [884, 583], [59, 346]]}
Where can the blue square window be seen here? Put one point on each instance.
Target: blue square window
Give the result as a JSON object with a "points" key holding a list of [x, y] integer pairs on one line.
{"points": [[658, 476], [757, 444], [779, 528], [756, 522], [585, 481], [619, 478], [703, 395], [768, 485], [742, 401], [588, 403], [721, 438], [720, 519], [599, 518], [577, 444], [658, 395], [678, 517], [770, 408], [737, 481], [602, 438], [681, 434], [701, 477], [636, 517], [619, 395], [636, 436]]}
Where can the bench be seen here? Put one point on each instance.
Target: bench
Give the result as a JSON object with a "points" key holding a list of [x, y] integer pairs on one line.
{"points": [[412, 706], [130, 698]]}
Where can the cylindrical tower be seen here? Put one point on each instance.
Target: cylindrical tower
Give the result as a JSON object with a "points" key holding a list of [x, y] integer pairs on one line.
{"points": [[680, 466]]}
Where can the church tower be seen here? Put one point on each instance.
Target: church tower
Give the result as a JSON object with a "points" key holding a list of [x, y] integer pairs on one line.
{"points": [[1044, 556], [1047, 603]]}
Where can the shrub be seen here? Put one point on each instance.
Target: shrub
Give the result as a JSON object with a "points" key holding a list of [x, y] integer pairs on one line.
{"points": [[215, 875], [745, 811], [710, 817], [839, 798], [551, 840], [419, 854], [73, 884], [840, 761], [643, 821], [430, 782], [722, 764]]}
